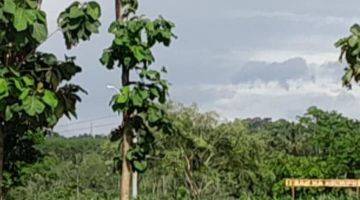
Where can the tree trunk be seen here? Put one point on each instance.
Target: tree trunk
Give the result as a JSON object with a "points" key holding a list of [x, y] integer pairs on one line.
{"points": [[126, 171], [2, 136], [126, 168]]}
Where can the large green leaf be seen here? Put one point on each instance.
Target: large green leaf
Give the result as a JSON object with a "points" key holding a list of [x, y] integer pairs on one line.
{"points": [[20, 20], [75, 12], [50, 98], [32, 105], [3, 88], [140, 166], [93, 9], [39, 32], [153, 114], [9, 6], [28, 80], [136, 98], [25, 93]]}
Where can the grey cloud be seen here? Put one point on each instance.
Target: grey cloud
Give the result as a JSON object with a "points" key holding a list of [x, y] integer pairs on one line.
{"points": [[291, 69]]}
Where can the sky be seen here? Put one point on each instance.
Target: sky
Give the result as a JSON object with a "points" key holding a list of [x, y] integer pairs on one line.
{"points": [[240, 58]]}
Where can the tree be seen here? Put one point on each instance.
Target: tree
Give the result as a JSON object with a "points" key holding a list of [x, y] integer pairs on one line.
{"points": [[138, 100], [34, 94]]}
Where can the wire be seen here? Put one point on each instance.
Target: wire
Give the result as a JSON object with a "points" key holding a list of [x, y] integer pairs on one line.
{"points": [[87, 128], [86, 121]]}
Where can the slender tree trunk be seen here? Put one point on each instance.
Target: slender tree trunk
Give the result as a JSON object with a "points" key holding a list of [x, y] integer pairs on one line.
{"points": [[126, 171], [126, 168], [118, 9], [2, 136]]}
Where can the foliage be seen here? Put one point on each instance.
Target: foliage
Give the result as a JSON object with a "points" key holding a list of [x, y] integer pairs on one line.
{"points": [[206, 158], [350, 50], [34, 94], [72, 168], [140, 100], [79, 21]]}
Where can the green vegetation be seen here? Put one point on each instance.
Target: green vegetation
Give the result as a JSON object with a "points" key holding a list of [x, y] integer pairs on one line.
{"points": [[206, 158], [34, 88]]}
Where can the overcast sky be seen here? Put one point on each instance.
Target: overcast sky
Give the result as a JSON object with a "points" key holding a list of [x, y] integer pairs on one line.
{"points": [[247, 58]]}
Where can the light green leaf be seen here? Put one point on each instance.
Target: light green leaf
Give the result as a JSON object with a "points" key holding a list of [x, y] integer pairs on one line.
{"points": [[9, 6], [121, 99], [32, 105], [50, 98], [75, 12], [142, 54], [153, 114], [24, 94], [4, 90], [140, 166], [93, 9], [3, 86], [30, 16], [91, 27], [353, 41], [136, 98], [28, 80], [154, 91], [105, 58], [20, 21]]}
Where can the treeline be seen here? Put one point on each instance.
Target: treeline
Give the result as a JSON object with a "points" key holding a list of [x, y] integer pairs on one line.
{"points": [[205, 158]]}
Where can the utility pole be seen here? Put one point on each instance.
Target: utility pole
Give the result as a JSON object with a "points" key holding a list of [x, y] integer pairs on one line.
{"points": [[126, 169], [135, 173]]}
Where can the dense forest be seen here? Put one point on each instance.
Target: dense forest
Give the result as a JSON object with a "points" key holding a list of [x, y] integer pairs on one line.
{"points": [[205, 158]]}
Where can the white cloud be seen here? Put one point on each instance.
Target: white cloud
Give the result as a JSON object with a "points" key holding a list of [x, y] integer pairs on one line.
{"points": [[273, 100]]}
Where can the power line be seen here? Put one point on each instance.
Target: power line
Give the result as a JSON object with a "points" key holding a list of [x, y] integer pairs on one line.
{"points": [[88, 128], [87, 121]]}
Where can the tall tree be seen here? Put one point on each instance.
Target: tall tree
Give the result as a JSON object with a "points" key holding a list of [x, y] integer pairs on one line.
{"points": [[139, 100], [34, 94]]}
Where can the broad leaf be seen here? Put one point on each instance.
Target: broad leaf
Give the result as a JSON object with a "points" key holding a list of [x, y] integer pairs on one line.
{"points": [[32, 105], [50, 98], [93, 9], [39, 32], [140, 166], [3, 88], [20, 20], [9, 6]]}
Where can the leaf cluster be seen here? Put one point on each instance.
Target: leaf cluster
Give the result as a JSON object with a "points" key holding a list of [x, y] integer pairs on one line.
{"points": [[350, 52], [79, 22]]}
